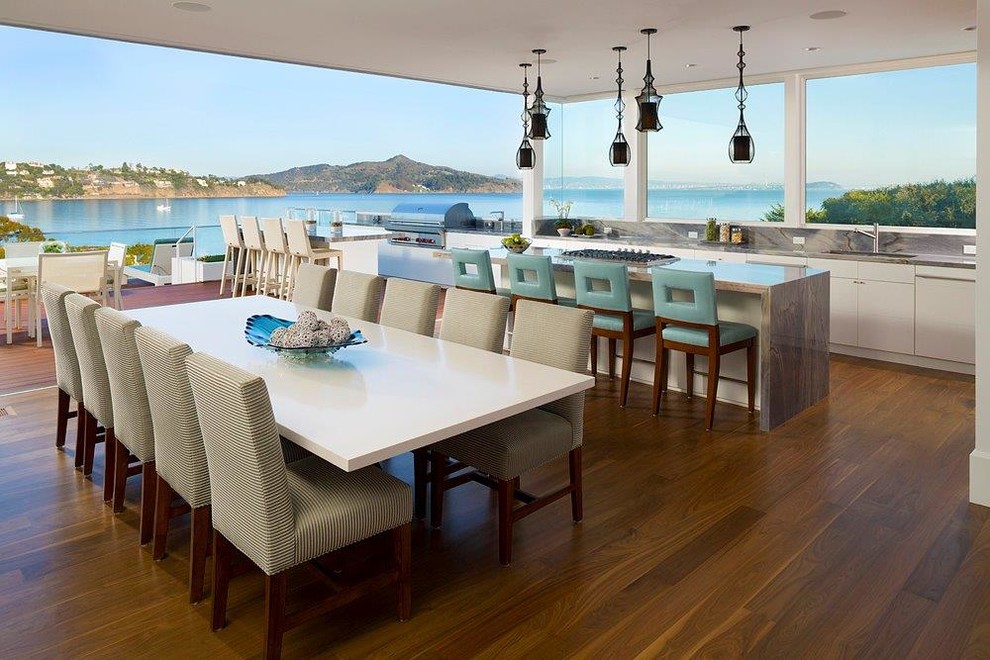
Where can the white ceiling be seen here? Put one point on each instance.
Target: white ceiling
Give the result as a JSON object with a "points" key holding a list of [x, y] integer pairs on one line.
{"points": [[479, 43]]}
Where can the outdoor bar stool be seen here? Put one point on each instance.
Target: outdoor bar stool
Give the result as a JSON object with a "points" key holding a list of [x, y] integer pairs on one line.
{"points": [[411, 306], [615, 317], [291, 514], [255, 255], [275, 277], [67, 375], [313, 286], [358, 295], [553, 335], [233, 254], [473, 271], [302, 250], [692, 326], [98, 406], [474, 319], [133, 431], [531, 278]]}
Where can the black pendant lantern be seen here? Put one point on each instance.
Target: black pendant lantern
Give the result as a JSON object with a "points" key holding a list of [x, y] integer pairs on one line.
{"points": [[525, 156], [539, 111], [742, 149], [618, 155], [648, 100]]}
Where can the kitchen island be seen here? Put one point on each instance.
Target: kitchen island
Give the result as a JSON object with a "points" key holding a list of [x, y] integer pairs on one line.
{"points": [[788, 305], [358, 243]]}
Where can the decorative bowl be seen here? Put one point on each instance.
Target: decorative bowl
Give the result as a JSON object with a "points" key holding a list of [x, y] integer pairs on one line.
{"points": [[259, 328], [518, 248]]}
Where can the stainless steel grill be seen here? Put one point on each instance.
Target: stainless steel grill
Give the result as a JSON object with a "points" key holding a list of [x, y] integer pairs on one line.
{"points": [[425, 225]]}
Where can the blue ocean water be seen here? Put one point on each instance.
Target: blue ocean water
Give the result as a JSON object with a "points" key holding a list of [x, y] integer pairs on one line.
{"points": [[99, 221]]}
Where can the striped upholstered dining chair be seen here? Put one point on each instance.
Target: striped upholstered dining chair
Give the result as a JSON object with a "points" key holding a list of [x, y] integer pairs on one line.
{"points": [[133, 432], [278, 515], [358, 295], [97, 404], [411, 306], [67, 375], [473, 319], [313, 286], [502, 451]]}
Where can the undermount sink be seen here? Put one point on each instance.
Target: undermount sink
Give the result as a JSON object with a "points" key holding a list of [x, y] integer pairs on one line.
{"points": [[868, 253]]}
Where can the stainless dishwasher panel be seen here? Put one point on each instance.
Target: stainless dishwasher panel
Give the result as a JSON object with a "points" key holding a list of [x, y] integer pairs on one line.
{"points": [[414, 263]]}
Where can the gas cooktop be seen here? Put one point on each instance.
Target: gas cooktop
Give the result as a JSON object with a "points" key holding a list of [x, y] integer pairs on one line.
{"points": [[632, 257]]}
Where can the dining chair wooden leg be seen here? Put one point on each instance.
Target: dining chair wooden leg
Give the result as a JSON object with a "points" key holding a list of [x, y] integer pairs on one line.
{"points": [[276, 587], [149, 494], [82, 426], [657, 376], [110, 446], [506, 498], [222, 552], [611, 358], [62, 418], [117, 474], [199, 543], [421, 459], [594, 356], [689, 374], [751, 375], [713, 367], [577, 484], [402, 552], [438, 473], [628, 344], [163, 506]]}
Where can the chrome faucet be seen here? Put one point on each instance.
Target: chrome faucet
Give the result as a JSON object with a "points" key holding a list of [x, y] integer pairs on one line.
{"points": [[875, 235]]}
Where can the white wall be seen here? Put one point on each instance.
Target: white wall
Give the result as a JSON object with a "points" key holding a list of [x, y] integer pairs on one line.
{"points": [[979, 461]]}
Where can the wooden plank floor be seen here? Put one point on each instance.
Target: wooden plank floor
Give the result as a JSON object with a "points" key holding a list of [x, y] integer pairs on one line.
{"points": [[845, 532]]}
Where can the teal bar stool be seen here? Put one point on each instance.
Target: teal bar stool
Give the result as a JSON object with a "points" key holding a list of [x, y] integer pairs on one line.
{"points": [[604, 289], [531, 278], [691, 324], [473, 271]]}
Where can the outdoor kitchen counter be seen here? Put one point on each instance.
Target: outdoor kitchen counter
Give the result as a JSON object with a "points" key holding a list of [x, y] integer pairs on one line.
{"points": [[352, 233], [789, 305], [359, 245]]}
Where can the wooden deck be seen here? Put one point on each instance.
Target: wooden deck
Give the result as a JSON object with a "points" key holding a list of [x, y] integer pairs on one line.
{"points": [[845, 532]]}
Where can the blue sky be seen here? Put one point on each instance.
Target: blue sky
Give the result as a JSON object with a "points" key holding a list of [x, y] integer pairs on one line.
{"points": [[75, 100]]}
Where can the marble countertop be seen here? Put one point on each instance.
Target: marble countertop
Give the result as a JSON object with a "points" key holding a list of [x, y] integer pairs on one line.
{"points": [[952, 261], [729, 276]]}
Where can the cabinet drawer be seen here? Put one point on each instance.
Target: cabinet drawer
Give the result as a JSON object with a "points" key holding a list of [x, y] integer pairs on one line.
{"points": [[838, 267], [944, 273], [881, 272]]}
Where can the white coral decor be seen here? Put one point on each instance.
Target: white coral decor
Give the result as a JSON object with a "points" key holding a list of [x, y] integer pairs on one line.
{"points": [[310, 331]]}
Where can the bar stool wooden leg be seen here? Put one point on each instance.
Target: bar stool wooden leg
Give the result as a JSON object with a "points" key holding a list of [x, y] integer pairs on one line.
{"points": [[223, 273], [713, 367], [611, 358], [594, 356], [689, 374]]}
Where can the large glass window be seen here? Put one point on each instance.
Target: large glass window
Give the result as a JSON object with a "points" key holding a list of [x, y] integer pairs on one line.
{"points": [[897, 148], [576, 161], [690, 175]]}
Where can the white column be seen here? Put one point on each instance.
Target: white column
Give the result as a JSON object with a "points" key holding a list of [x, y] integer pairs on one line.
{"points": [[532, 181], [795, 162], [635, 175], [979, 460]]}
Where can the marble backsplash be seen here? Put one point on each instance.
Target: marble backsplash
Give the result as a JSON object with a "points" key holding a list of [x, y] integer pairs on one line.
{"points": [[776, 237]]}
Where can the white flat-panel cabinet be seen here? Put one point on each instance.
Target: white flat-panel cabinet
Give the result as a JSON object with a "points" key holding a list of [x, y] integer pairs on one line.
{"points": [[945, 322], [886, 316], [844, 314]]}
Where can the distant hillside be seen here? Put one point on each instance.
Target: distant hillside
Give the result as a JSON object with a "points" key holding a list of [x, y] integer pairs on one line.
{"points": [[397, 174], [40, 181]]}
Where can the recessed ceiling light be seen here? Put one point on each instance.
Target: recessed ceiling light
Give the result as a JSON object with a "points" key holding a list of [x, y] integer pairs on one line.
{"points": [[690, 65], [827, 15], [969, 28], [813, 49], [191, 6]]}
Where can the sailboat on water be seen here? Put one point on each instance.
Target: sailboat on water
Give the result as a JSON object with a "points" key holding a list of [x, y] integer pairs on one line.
{"points": [[164, 207], [18, 213]]}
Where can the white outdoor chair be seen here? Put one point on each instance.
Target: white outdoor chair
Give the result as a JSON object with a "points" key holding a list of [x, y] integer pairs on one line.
{"points": [[116, 260], [234, 252], [16, 288], [82, 272]]}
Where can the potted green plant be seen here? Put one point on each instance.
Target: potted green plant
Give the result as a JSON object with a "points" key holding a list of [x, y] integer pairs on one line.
{"points": [[564, 227], [53, 247]]}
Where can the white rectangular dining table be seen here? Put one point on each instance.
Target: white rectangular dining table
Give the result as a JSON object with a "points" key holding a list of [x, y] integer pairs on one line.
{"points": [[399, 392]]}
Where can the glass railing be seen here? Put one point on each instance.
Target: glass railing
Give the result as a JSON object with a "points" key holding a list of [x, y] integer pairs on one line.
{"points": [[207, 239]]}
